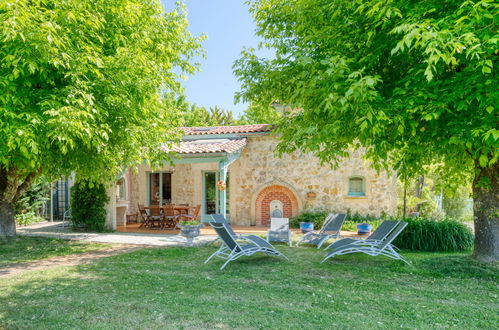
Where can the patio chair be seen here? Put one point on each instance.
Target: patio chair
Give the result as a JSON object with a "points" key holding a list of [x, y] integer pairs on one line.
{"points": [[66, 219], [193, 216], [221, 219], [330, 229], [279, 231], [384, 229], [155, 216], [143, 214], [169, 218], [373, 247], [232, 250]]}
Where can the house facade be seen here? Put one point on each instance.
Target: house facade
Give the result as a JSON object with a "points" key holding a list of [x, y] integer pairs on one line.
{"points": [[258, 183]]}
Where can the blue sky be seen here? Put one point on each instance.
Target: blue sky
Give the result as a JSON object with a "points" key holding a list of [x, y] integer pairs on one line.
{"points": [[229, 27]]}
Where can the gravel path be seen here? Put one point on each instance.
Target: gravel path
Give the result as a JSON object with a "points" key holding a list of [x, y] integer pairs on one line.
{"points": [[56, 230]]}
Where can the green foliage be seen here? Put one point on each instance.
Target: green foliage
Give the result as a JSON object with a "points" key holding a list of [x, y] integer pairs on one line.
{"points": [[28, 218], [200, 116], [257, 114], [34, 198], [317, 217], [456, 205], [88, 202], [81, 84], [435, 236], [412, 82]]}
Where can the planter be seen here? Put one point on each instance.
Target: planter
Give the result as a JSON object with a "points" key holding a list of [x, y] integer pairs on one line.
{"points": [[364, 228], [306, 227], [221, 185], [190, 232], [311, 195]]}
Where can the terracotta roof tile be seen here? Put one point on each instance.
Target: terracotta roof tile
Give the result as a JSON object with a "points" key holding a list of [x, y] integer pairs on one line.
{"points": [[259, 128], [208, 146]]}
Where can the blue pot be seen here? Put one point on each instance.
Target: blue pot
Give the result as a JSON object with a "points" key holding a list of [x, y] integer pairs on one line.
{"points": [[306, 227], [364, 228]]}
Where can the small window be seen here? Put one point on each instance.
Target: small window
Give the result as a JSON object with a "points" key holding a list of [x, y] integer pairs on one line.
{"points": [[121, 191], [356, 186]]}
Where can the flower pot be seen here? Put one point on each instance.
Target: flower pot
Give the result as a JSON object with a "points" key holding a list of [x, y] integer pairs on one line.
{"points": [[221, 185], [190, 232], [364, 228], [306, 227], [311, 195]]}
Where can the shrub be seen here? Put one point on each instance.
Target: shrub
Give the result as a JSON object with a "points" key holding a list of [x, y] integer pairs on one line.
{"points": [[315, 216], [88, 201], [435, 236], [28, 218], [34, 198]]}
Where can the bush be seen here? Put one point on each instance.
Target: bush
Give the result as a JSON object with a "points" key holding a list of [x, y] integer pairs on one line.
{"points": [[28, 218], [88, 203], [350, 224], [435, 236], [315, 216], [33, 200]]}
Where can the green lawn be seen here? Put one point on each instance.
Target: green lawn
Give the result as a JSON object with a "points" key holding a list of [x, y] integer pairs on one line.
{"points": [[172, 288], [22, 249]]}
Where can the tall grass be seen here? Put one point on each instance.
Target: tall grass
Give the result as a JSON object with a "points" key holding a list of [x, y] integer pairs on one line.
{"points": [[435, 236]]}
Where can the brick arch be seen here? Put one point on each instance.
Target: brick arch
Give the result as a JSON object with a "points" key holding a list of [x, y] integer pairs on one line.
{"points": [[267, 195]]}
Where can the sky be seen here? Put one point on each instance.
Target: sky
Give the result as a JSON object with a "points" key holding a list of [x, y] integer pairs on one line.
{"points": [[229, 28]]}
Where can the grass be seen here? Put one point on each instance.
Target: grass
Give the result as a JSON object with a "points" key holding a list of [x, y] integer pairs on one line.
{"points": [[23, 249], [161, 288]]}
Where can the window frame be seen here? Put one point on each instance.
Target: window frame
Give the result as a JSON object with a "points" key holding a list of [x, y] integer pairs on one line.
{"points": [[122, 187], [356, 194]]}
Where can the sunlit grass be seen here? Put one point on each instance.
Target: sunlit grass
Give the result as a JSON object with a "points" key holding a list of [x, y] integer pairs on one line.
{"points": [[171, 288], [23, 249]]}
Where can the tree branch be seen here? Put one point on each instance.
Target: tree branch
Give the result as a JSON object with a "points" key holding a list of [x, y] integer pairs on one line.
{"points": [[25, 185]]}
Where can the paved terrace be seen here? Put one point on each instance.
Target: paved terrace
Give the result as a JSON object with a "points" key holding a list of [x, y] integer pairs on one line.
{"points": [[134, 235]]}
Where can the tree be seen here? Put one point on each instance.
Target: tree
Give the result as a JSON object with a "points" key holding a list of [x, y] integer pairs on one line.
{"points": [[81, 84], [412, 82], [256, 114]]}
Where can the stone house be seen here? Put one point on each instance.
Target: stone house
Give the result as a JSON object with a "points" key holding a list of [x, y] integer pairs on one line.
{"points": [[258, 182]]}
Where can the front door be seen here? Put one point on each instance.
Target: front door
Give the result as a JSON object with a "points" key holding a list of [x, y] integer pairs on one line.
{"points": [[211, 195]]}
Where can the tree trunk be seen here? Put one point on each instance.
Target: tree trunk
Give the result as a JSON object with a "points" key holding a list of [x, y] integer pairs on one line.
{"points": [[7, 222], [486, 211], [12, 185]]}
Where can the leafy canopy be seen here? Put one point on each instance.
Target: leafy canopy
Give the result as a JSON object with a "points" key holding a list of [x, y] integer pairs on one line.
{"points": [[81, 83], [413, 82]]}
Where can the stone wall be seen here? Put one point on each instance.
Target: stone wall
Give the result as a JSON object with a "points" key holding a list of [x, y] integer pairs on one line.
{"points": [[258, 168]]}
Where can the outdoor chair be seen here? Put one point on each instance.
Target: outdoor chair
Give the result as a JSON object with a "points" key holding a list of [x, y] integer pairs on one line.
{"points": [[231, 250], [373, 248], [155, 216], [279, 231], [191, 217], [384, 229], [221, 219], [169, 218], [330, 229], [143, 215], [66, 219]]}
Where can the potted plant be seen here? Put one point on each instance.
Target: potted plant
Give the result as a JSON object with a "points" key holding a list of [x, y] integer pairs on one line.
{"points": [[364, 228], [190, 229], [306, 226], [311, 195], [221, 185]]}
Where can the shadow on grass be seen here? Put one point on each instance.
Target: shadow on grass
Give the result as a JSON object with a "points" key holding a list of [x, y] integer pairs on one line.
{"points": [[171, 287], [459, 267]]}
